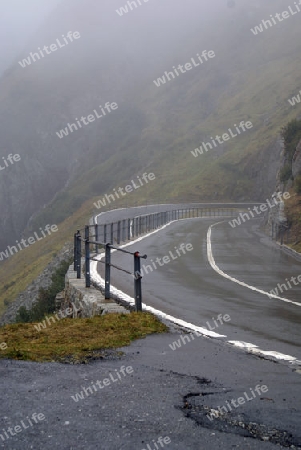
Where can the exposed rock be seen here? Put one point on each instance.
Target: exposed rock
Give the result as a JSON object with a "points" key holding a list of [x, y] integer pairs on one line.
{"points": [[296, 163], [30, 295]]}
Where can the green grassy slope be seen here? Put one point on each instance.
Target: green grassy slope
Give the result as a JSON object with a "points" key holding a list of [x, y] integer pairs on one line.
{"points": [[155, 130]]}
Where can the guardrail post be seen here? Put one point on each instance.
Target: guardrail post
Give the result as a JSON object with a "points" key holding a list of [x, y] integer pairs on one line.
{"points": [[123, 238], [96, 238], [137, 283], [118, 232], [79, 255], [112, 232], [129, 229], [87, 256], [108, 272], [147, 224], [75, 252]]}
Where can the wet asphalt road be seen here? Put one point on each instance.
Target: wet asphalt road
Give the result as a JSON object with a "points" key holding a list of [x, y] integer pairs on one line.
{"points": [[188, 288], [126, 213], [169, 394]]}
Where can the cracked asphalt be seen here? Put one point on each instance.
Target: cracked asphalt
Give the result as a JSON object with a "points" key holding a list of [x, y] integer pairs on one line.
{"points": [[168, 393]]}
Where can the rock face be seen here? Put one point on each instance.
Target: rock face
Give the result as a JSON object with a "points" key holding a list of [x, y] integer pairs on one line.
{"points": [[276, 220], [296, 163], [84, 302], [30, 295], [266, 169]]}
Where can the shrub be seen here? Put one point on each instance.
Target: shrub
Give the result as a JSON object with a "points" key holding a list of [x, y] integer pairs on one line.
{"points": [[23, 315], [297, 184], [291, 134], [285, 173], [45, 303]]}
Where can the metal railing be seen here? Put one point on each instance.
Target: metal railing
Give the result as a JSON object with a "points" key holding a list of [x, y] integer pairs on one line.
{"points": [[104, 235]]}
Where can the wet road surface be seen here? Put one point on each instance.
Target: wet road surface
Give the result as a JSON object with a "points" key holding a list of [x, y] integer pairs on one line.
{"points": [[188, 288]]}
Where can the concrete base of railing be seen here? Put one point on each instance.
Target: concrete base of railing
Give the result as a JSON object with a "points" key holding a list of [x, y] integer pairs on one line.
{"points": [[86, 302]]}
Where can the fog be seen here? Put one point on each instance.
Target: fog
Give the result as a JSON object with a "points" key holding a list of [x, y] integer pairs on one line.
{"points": [[19, 20], [116, 59]]}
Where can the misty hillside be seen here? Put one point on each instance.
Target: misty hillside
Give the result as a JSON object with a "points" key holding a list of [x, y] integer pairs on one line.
{"points": [[116, 59]]}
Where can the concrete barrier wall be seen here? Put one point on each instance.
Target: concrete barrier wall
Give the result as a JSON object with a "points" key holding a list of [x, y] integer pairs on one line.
{"points": [[86, 302]]}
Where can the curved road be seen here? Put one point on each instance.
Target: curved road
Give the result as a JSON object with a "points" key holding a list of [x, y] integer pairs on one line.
{"points": [[188, 288]]}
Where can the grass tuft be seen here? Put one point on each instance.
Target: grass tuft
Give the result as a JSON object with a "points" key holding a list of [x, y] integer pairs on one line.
{"points": [[77, 340]]}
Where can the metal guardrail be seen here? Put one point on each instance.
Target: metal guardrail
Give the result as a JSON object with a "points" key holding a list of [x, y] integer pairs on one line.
{"points": [[124, 231]]}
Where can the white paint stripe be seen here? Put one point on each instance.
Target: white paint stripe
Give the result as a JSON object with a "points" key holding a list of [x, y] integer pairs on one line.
{"points": [[256, 351], [95, 276], [251, 348], [225, 275]]}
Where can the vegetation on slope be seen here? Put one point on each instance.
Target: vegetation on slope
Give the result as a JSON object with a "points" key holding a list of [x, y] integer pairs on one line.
{"points": [[77, 340], [45, 303], [293, 214], [23, 268], [291, 134], [156, 129]]}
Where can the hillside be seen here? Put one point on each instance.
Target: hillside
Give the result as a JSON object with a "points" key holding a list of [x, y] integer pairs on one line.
{"points": [[154, 129]]}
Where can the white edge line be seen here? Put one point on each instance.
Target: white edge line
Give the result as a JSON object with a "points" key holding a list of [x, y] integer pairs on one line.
{"points": [[251, 348], [95, 276], [225, 275]]}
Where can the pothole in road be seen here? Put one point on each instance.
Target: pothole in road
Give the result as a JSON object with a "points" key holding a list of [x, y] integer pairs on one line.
{"points": [[205, 409]]}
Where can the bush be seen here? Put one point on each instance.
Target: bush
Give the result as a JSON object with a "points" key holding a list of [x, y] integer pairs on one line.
{"points": [[291, 134], [297, 184], [285, 173], [23, 315], [45, 303]]}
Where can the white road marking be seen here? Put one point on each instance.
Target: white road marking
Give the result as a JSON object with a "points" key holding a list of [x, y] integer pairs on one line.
{"points": [[251, 348], [95, 276], [225, 275]]}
